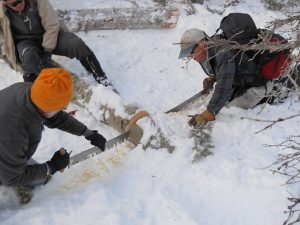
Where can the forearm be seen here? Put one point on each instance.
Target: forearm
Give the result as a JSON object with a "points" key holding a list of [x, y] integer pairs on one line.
{"points": [[219, 99], [225, 74], [65, 122], [15, 173], [32, 173]]}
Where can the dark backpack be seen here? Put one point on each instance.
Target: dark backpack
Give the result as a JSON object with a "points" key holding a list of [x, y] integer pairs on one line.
{"points": [[240, 28]]}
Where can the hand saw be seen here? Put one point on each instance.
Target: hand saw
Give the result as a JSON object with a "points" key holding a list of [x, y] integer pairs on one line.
{"points": [[95, 150], [189, 101]]}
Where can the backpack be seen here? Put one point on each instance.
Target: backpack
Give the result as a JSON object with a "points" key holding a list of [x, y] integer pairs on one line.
{"points": [[240, 28]]}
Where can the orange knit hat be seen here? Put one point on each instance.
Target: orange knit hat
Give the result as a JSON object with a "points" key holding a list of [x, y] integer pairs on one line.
{"points": [[52, 90]]}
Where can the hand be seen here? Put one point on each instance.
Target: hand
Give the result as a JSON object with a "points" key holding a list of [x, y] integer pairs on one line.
{"points": [[199, 120], [29, 77], [59, 161], [97, 140], [46, 59], [208, 83]]}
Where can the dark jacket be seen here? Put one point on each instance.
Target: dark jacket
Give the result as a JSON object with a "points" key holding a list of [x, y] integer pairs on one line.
{"points": [[47, 17], [20, 133], [234, 75], [26, 25]]}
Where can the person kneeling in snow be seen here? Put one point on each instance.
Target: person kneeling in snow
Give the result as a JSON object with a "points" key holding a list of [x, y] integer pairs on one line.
{"points": [[32, 29], [25, 109], [236, 85]]}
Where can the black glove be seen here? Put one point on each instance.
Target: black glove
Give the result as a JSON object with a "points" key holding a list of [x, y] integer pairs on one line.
{"points": [[58, 161], [46, 59], [97, 140], [29, 77]]}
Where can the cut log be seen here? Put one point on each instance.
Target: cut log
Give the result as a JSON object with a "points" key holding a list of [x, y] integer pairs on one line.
{"points": [[119, 18]]}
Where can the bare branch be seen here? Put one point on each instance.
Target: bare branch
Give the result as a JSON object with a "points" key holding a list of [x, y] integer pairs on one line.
{"points": [[288, 164], [272, 122]]}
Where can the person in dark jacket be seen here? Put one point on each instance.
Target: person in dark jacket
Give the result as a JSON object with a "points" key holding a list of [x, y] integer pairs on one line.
{"points": [[32, 29], [25, 109], [235, 85]]}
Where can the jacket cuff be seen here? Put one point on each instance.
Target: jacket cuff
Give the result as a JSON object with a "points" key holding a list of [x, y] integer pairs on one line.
{"points": [[87, 132], [48, 169]]}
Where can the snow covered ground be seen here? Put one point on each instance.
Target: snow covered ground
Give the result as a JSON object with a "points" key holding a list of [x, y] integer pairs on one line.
{"points": [[133, 187]]}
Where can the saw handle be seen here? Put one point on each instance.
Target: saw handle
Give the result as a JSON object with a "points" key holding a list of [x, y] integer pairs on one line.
{"points": [[137, 116], [62, 152]]}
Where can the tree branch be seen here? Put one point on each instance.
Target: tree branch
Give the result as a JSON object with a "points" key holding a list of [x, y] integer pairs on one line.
{"points": [[272, 122]]}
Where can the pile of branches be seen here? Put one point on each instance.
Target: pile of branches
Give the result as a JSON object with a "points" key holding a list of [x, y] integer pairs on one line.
{"points": [[288, 164]]}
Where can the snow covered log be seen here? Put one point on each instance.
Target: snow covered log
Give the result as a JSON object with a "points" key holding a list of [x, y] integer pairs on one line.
{"points": [[115, 114], [119, 18]]}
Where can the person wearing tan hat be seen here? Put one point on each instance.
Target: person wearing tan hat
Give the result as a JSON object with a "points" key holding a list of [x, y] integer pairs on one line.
{"points": [[232, 80], [25, 109]]}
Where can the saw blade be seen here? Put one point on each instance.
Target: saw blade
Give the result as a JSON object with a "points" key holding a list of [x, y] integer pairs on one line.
{"points": [[189, 101], [95, 150]]}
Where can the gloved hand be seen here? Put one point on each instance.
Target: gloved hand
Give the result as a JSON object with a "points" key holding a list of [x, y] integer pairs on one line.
{"points": [[29, 77], [208, 83], [199, 120], [59, 161], [46, 59], [97, 140]]}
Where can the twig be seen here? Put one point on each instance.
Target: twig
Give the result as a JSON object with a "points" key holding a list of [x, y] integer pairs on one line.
{"points": [[271, 121]]}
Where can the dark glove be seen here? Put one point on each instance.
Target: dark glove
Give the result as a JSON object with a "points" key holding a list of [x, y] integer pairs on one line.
{"points": [[97, 140], [59, 161], [208, 83], [199, 120], [29, 77], [46, 59]]}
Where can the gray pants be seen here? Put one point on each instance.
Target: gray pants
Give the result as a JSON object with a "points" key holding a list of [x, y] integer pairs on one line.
{"points": [[30, 52], [252, 97]]}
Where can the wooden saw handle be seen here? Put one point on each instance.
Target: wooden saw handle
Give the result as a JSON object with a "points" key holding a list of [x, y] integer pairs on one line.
{"points": [[135, 118], [62, 152]]}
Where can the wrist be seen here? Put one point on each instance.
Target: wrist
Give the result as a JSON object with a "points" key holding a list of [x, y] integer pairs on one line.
{"points": [[87, 132], [50, 168]]}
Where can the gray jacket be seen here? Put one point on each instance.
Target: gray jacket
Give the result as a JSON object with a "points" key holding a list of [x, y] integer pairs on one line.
{"points": [[20, 133]]}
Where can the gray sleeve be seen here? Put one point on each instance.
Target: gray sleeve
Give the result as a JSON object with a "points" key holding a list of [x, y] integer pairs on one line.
{"points": [[14, 170], [66, 122], [225, 72]]}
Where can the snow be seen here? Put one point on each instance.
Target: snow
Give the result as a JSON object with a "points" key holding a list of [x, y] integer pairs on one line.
{"points": [[78, 4], [130, 185]]}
